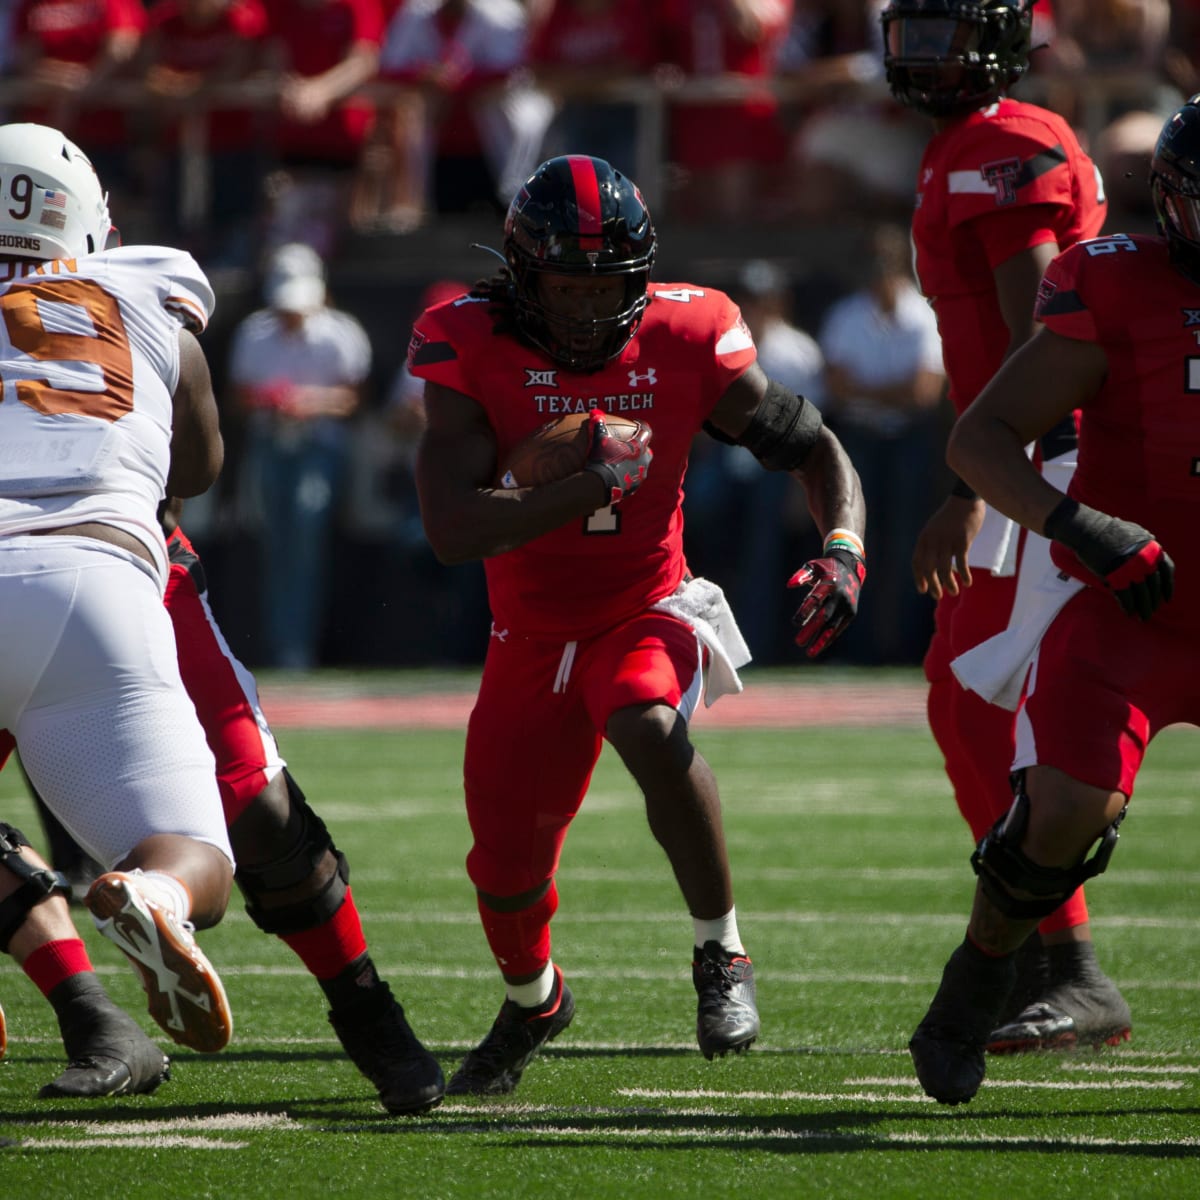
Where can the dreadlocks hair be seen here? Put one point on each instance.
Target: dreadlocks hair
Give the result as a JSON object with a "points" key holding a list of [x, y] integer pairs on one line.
{"points": [[500, 291]]}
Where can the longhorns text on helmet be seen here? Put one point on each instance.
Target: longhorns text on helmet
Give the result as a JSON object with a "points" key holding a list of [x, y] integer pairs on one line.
{"points": [[51, 202]]}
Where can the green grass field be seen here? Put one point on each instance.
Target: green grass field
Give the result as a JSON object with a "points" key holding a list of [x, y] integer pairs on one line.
{"points": [[852, 883]]}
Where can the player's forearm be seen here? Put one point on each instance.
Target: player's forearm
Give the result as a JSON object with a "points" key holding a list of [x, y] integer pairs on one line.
{"points": [[491, 521], [832, 487], [990, 456]]}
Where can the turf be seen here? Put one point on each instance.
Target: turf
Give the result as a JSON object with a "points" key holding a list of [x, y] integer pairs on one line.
{"points": [[853, 885]]}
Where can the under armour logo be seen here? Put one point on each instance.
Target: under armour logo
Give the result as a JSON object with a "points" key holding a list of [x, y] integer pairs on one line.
{"points": [[536, 378], [1191, 316], [1002, 175], [649, 377], [501, 635]]}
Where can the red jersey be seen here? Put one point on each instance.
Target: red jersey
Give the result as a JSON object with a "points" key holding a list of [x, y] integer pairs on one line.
{"points": [[588, 576], [187, 47], [1003, 180], [76, 31], [315, 36], [1139, 437], [619, 36]]}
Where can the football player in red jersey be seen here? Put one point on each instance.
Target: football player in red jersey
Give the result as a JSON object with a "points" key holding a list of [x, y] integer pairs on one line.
{"points": [[1003, 187], [1117, 660], [599, 630]]}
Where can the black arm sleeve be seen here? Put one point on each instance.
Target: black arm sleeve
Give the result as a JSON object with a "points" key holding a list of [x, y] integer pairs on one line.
{"points": [[782, 431]]}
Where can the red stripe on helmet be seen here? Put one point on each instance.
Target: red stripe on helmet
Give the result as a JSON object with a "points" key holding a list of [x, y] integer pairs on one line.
{"points": [[587, 196]]}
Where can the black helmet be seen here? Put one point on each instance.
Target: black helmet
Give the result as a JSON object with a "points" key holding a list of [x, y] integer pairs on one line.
{"points": [[579, 216], [1175, 186], [947, 58]]}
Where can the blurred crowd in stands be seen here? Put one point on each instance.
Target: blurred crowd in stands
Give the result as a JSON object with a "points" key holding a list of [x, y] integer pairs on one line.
{"points": [[248, 130]]}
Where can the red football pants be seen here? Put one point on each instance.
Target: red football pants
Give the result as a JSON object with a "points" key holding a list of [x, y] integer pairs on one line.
{"points": [[978, 739]]}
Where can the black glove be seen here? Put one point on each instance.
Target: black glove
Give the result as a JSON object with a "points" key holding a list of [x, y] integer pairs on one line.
{"points": [[1127, 558], [621, 464], [834, 583]]}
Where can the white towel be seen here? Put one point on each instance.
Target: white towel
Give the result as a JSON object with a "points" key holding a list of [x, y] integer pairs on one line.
{"points": [[702, 604], [996, 668]]}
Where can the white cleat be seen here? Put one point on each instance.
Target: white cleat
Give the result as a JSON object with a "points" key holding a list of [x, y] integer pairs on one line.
{"points": [[185, 994]]}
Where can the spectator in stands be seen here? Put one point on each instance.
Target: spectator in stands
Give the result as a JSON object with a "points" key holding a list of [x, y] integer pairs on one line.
{"points": [[67, 57], [588, 55], [735, 510], [297, 368], [1122, 152], [326, 51], [850, 143], [459, 132], [1181, 58], [725, 153], [1105, 58], [884, 375], [211, 153]]}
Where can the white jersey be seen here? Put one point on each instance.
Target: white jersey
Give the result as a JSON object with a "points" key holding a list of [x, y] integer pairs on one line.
{"points": [[89, 362]]}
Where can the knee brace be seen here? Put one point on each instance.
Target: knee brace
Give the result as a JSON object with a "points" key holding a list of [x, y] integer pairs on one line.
{"points": [[37, 883], [292, 868], [1003, 869]]}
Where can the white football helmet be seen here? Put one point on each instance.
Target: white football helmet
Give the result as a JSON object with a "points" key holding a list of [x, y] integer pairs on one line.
{"points": [[51, 202]]}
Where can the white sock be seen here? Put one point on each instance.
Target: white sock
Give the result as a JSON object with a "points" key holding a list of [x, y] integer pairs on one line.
{"points": [[723, 930], [535, 994], [168, 891]]}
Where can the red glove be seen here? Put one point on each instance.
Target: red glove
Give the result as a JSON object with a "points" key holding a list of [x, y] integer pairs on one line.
{"points": [[834, 583], [621, 464]]}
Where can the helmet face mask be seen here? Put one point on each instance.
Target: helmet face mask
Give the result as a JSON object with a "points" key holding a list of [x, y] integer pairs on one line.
{"points": [[1175, 187], [577, 218], [948, 58], [51, 202]]}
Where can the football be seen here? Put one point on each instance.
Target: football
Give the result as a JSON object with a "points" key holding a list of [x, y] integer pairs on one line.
{"points": [[557, 449]]}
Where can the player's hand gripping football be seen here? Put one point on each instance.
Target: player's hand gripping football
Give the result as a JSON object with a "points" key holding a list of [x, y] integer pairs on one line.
{"points": [[621, 464], [1129, 559], [833, 583]]}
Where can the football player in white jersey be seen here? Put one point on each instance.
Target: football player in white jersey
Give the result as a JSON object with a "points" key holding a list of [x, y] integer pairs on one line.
{"points": [[106, 407]]}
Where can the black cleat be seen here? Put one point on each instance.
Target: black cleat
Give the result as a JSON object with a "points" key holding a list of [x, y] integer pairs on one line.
{"points": [[1079, 1006], [495, 1066], [385, 1049], [107, 1052], [948, 1046], [726, 1015]]}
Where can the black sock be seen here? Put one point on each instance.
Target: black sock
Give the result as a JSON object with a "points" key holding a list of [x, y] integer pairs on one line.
{"points": [[1072, 961], [83, 984], [357, 990]]}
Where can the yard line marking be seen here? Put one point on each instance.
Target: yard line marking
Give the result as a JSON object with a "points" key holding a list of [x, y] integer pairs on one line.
{"points": [[110, 1142], [1099, 1085], [660, 975], [1015, 1139], [708, 1094], [865, 917], [239, 1122], [708, 1133], [1129, 1068]]}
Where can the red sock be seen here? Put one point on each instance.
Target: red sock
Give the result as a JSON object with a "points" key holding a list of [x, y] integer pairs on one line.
{"points": [[520, 941], [50, 964], [330, 948], [1072, 912]]}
